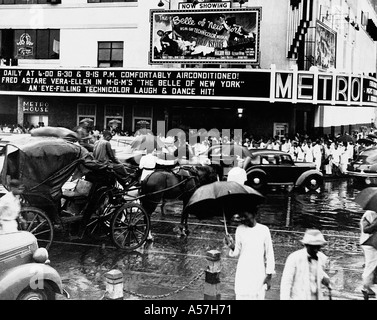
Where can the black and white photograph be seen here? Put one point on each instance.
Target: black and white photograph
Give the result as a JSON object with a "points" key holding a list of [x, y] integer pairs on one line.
{"points": [[186, 156]]}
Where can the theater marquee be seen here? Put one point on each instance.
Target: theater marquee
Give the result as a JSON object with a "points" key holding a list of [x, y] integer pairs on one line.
{"points": [[269, 85], [205, 36]]}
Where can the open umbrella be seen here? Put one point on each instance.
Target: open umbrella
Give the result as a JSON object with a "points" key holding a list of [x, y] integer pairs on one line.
{"points": [[146, 141], [346, 138], [365, 141], [114, 121], [87, 120], [367, 198], [222, 198]]}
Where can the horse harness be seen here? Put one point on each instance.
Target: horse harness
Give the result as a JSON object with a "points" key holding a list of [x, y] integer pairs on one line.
{"points": [[180, 172]]}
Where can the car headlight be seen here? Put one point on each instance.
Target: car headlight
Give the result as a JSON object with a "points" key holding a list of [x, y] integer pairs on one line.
{"points": [[41, 256]]}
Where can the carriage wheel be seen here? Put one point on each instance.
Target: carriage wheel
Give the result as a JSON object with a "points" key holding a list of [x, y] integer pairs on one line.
{"points": [[130, 226], [39, 224], [99, 223]]}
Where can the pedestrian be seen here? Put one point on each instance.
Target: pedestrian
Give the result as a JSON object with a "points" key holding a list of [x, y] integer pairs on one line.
{"points": [[303, 273], [318, 154], [256, 261], [335, 159], [368, 225], [10, 207], [327, 162]]}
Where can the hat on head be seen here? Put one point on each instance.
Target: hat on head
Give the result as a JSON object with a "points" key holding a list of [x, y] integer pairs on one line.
{"points": [[313, 237]]}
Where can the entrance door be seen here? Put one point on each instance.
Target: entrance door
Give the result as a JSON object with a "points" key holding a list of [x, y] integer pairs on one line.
{"points": [[37, 120]]}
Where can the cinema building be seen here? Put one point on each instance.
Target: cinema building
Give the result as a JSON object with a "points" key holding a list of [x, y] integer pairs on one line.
{"points": [[266, 67]]}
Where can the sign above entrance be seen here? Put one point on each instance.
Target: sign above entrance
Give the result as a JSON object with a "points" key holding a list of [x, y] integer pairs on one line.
{"points": [[151, 84], [292, 86], [204, 5]]}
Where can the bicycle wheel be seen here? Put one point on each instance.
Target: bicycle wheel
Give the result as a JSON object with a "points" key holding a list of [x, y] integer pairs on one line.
{"points": [[39, 224], [130, 226]]}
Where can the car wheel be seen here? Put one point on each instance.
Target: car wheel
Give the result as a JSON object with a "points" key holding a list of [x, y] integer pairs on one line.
{"points": [[312, 183], [256, 180], [37, 294]]}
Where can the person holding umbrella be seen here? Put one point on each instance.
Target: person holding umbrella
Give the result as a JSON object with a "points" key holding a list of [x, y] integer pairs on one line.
{"points": [[367, 199], [256, 260]]}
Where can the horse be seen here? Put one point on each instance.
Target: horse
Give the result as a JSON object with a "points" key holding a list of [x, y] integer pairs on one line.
{"points": [[178, 183]]}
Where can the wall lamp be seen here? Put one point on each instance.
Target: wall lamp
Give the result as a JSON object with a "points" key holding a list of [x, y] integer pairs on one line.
{"points": [[240, 112], [161, 3]]}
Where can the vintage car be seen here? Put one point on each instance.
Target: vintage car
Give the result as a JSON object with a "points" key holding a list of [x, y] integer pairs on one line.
{"points": [[225, 157], [268, 167], [25, 273], [363, 170]]}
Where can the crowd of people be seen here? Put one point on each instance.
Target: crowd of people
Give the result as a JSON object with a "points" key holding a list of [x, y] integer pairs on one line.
{"points": [[331, 154]]}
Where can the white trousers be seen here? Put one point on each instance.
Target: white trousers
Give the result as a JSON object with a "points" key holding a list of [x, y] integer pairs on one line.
{"points": [[370, 255]]}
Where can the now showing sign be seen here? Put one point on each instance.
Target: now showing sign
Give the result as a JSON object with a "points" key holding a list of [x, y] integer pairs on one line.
{"points": [[204, 5]]}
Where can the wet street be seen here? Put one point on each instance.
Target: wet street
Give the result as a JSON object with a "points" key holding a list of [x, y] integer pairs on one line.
{"points": [[171, 267]]}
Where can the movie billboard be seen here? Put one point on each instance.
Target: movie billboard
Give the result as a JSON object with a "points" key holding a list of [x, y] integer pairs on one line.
{"points": [[205, 36], [325, 47]]}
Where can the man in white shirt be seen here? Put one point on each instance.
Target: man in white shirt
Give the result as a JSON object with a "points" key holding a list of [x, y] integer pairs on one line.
{"points": [[147, 164], [303, 272]]}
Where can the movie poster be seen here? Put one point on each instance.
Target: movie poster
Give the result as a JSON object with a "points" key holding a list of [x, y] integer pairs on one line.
{"points": [[216, 36], [325, 47]]}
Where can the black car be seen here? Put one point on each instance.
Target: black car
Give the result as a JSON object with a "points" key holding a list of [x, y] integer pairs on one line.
{"points": [[226, 156], [363, 170], [267, 167]]}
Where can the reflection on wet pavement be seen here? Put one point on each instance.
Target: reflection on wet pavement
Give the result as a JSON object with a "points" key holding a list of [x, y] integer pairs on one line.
{"points": [[164, 268], [332, 209]]}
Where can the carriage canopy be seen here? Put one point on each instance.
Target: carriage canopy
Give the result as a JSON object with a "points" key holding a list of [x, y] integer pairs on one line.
{"points": [[43, 164]]}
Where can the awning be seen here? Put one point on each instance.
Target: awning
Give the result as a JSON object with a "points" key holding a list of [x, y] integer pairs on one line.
{"points": [[372, 29]]}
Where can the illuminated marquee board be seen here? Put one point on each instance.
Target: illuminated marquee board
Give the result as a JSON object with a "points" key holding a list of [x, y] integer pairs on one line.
{"points": [[211, 84], [151, 84]]}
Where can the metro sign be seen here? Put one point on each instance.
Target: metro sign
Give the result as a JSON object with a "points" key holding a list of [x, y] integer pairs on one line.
{"points": [[318, 88]]}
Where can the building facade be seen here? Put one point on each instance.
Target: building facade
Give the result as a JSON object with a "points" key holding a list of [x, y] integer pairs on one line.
{"points": [[268, 68]]}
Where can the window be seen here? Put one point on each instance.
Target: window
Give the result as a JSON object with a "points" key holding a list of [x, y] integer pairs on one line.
{"points": [[86, 111], [113, 112], [24, 1], [110, 54], [30, 43], [100, 1]]}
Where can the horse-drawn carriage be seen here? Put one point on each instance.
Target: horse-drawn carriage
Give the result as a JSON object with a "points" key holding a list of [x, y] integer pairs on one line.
{"points": [[44, 165], [65, 186]]}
